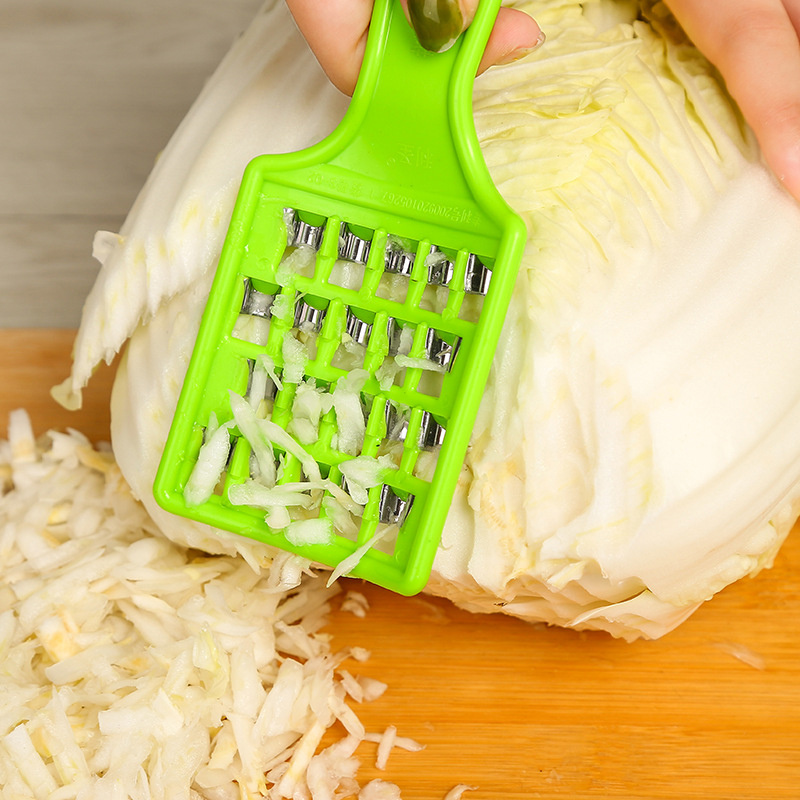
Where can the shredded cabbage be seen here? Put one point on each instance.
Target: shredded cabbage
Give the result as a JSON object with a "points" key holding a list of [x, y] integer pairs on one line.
{"points": [[309, 405], [209, 467], [135, 668], [292, 507], [251, 428], [418, 363], [350, 423], [256, 494], [457, 792], [363, 473], [638, 444], [348, 564], [309, 531], [295, 356], [282, 307]]}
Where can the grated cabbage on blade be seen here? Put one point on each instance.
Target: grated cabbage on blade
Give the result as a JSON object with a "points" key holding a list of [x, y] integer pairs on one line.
{"points": [[638, 446], [135, 668]]}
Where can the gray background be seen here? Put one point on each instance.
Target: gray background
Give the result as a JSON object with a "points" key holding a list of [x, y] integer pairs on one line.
{"points": [[90, 91]]}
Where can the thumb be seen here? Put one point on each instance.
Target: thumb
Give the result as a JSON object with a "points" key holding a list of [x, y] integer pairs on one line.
{"points": [[438, 23]]}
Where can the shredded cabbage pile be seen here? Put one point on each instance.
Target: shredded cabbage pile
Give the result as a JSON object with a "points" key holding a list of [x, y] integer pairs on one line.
{"points": [[638, 446], [131, 667]]}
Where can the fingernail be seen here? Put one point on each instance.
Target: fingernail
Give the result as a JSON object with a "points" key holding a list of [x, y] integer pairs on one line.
{"points": [[520, 52], [437, 23]]}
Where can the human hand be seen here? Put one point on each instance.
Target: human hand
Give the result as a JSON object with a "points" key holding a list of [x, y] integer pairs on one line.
{"points": [[336, 31], [755, 44]]}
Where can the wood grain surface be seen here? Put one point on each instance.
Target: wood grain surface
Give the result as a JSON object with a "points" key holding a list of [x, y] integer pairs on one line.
{"points": [[522, 711], [32, 360]]}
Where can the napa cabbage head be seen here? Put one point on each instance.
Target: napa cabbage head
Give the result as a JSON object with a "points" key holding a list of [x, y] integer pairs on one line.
{"points": [[638, 445]]}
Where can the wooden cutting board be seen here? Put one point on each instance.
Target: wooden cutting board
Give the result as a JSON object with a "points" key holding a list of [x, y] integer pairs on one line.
{"points": [[520, 711]]}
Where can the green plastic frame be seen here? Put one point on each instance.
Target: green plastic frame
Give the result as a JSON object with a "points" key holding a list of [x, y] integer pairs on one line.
{"points": [[405, 162]]}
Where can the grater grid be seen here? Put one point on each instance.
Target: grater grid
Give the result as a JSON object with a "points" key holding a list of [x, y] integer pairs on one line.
{"points": [[386, 285], [406, 413]]}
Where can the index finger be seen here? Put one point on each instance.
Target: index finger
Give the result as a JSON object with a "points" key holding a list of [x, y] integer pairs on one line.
{"points": [[336, 31]]}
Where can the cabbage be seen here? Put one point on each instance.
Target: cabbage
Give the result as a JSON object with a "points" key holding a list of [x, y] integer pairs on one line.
{"points": [[363, 473], [133, 668], [209, 467], [350, 422], [638, 445]]}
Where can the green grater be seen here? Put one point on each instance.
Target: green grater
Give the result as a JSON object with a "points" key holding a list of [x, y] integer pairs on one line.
{"points": [[375, 267]]}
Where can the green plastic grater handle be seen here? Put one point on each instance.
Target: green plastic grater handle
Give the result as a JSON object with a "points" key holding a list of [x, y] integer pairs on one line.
{"points": [[410, 122], [409, 126]]}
